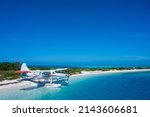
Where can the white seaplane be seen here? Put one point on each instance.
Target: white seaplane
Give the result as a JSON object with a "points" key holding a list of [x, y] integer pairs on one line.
{"points": [[48, 78]]}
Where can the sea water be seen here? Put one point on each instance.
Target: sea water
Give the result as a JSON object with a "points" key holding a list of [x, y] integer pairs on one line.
{"points": [[107, 86]]}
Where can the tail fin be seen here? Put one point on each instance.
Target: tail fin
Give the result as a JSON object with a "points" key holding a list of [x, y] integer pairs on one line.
{"points": [[24, 67]]}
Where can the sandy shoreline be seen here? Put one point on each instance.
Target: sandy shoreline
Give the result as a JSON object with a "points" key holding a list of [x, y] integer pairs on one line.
{"points": [[83, 73], [17, 85], [105, 72]]}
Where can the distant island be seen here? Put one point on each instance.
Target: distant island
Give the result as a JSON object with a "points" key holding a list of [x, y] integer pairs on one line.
{"points": [[7, 69]]}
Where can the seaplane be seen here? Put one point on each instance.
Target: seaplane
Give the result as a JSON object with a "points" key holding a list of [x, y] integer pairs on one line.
{"points": [[47, 78]]}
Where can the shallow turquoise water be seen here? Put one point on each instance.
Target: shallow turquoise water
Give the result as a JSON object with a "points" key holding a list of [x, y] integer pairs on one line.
{"points": [[112, 86]]}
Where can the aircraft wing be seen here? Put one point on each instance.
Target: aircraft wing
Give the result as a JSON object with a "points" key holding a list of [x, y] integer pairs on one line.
{"points": [[61, 69], [49, 70]]}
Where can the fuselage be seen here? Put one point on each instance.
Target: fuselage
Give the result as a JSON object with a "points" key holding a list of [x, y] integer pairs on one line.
{"points": [[42, 73]]}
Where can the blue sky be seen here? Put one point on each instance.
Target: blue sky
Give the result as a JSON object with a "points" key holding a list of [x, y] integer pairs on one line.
{"points": [[100, 32]]}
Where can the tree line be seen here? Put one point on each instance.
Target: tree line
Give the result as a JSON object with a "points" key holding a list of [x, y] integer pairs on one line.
{"points": [[6, 66]]}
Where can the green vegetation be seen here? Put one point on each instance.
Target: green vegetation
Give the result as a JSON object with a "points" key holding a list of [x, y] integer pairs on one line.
{"points": [[79, 70], [39, 68], [9, 75], [5, 66], [7, 69]]}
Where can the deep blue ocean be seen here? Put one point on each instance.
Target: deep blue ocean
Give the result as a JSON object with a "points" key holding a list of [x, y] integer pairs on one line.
{"points": [[110, 86]]}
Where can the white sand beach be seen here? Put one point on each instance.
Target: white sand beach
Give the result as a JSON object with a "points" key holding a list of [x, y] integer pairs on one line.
{"points": [[83, 73], [105, 72], [15, 85]]}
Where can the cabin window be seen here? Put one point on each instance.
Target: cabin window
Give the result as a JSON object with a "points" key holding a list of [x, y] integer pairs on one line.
{"points": [[46, 73]]}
